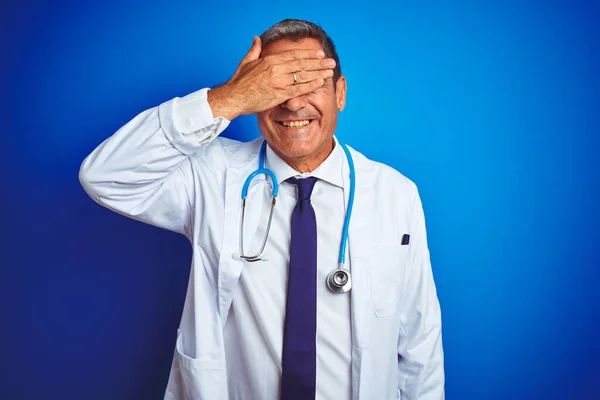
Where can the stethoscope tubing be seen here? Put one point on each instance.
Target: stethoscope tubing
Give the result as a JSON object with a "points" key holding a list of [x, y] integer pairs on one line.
{"points": [[339, 271], [342, 256]]}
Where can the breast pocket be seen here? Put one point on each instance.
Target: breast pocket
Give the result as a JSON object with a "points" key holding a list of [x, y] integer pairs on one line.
{"points": [[386, 274]]}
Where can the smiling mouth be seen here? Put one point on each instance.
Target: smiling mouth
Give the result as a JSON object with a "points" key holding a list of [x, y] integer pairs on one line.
{"points": [[295, 124]]}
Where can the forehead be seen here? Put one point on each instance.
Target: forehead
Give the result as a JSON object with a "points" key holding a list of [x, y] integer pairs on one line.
{"points": [[283, 45]]}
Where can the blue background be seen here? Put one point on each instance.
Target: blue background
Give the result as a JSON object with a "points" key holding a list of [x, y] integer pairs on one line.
{"points": [[492, 109]]}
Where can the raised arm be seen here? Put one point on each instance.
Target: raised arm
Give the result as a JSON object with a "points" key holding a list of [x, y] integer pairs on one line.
{"points": [[147, 170], [144, 171]]}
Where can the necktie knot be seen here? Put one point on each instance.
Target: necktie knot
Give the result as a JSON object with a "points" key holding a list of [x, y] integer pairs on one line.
{"points": [[305, 186]]}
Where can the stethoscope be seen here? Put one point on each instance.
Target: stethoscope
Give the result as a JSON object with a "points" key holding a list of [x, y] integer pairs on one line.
{"points": [[338, 280]]}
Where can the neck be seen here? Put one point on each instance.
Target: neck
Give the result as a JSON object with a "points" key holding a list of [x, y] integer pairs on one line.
{"points": [[310, 162]]}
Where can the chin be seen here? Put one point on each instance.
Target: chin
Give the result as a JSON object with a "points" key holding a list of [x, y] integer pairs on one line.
{"points": [[296, 146], [297, 151]]}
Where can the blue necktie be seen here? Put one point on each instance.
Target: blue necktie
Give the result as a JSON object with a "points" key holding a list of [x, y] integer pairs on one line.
{"points": [[299, 362]]}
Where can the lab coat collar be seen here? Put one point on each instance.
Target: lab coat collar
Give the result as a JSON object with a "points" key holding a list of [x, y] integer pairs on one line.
{"points": [[245, 155], [330, 169]]}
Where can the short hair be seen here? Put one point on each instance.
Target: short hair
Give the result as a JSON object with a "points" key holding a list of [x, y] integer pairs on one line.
{"points": [[297, 29]]}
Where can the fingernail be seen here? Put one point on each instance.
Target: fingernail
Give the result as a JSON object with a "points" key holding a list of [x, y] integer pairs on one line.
{"points": [[320, 54]]}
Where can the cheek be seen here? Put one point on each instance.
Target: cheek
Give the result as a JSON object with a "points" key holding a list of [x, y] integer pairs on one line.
{"points": [[328, 123], [263, 123]]}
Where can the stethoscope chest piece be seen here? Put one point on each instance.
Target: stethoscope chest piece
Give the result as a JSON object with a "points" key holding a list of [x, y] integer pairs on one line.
{"points": [[339, 280]]}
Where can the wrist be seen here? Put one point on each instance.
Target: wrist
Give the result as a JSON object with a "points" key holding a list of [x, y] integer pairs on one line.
{"points": [[222, 102]]}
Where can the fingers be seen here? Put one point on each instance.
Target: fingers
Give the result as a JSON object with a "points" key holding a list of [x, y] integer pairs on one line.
{"points": [[301, 60], [307, 64], [254, 51], [303, 88], [297, 54], [307, 76], [260, 83]]}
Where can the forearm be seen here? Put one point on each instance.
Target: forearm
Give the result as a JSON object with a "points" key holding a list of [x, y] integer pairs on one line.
{"points": [[223, 102]]}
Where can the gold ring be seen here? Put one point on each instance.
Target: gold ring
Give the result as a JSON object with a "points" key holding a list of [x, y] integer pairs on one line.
{"points": [[295, 80]]}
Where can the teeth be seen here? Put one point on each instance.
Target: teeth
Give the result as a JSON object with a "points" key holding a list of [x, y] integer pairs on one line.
{"points": [[295, 124]]}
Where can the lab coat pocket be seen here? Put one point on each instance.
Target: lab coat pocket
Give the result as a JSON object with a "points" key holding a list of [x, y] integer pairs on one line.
{"points": [[386, 275], [201, 378]]}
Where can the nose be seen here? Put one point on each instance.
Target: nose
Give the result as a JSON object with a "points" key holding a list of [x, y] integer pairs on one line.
{"points": [[295, 103]]}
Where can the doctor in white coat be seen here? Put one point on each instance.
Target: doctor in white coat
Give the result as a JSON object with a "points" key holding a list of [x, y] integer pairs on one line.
{"points": [[168, 167]]}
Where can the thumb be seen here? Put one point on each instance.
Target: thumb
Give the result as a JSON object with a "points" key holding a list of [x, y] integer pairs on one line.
{"points": [[254, 52]]}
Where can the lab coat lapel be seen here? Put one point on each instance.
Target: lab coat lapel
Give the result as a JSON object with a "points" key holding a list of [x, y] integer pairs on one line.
{"points": [[359, 241], [230, 268]]}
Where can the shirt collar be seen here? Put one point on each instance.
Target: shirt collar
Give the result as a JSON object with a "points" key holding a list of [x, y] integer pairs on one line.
{"points": [[330, 169]]}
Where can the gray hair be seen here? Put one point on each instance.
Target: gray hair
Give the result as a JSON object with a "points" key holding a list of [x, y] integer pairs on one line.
{"points": [[296, 29]]}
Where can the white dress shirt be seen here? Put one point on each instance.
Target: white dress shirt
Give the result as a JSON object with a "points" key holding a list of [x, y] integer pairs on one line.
{"points": [[254, 328]]}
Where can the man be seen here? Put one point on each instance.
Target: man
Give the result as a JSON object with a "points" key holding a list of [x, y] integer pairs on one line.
{"points": [[273, 329]]}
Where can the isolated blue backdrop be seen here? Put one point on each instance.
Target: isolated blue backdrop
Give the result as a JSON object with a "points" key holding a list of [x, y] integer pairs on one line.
{"points": [[492, 109]]}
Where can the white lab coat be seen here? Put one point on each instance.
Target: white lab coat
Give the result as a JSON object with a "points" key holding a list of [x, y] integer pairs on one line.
{"points": [[151, 172]]}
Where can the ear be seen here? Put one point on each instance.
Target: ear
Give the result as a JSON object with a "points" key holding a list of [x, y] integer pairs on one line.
{"points": [[340, 93]]}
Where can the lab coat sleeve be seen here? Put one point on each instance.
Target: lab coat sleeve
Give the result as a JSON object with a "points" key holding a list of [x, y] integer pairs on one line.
{"points": [[145, 170], [420, 354]]}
